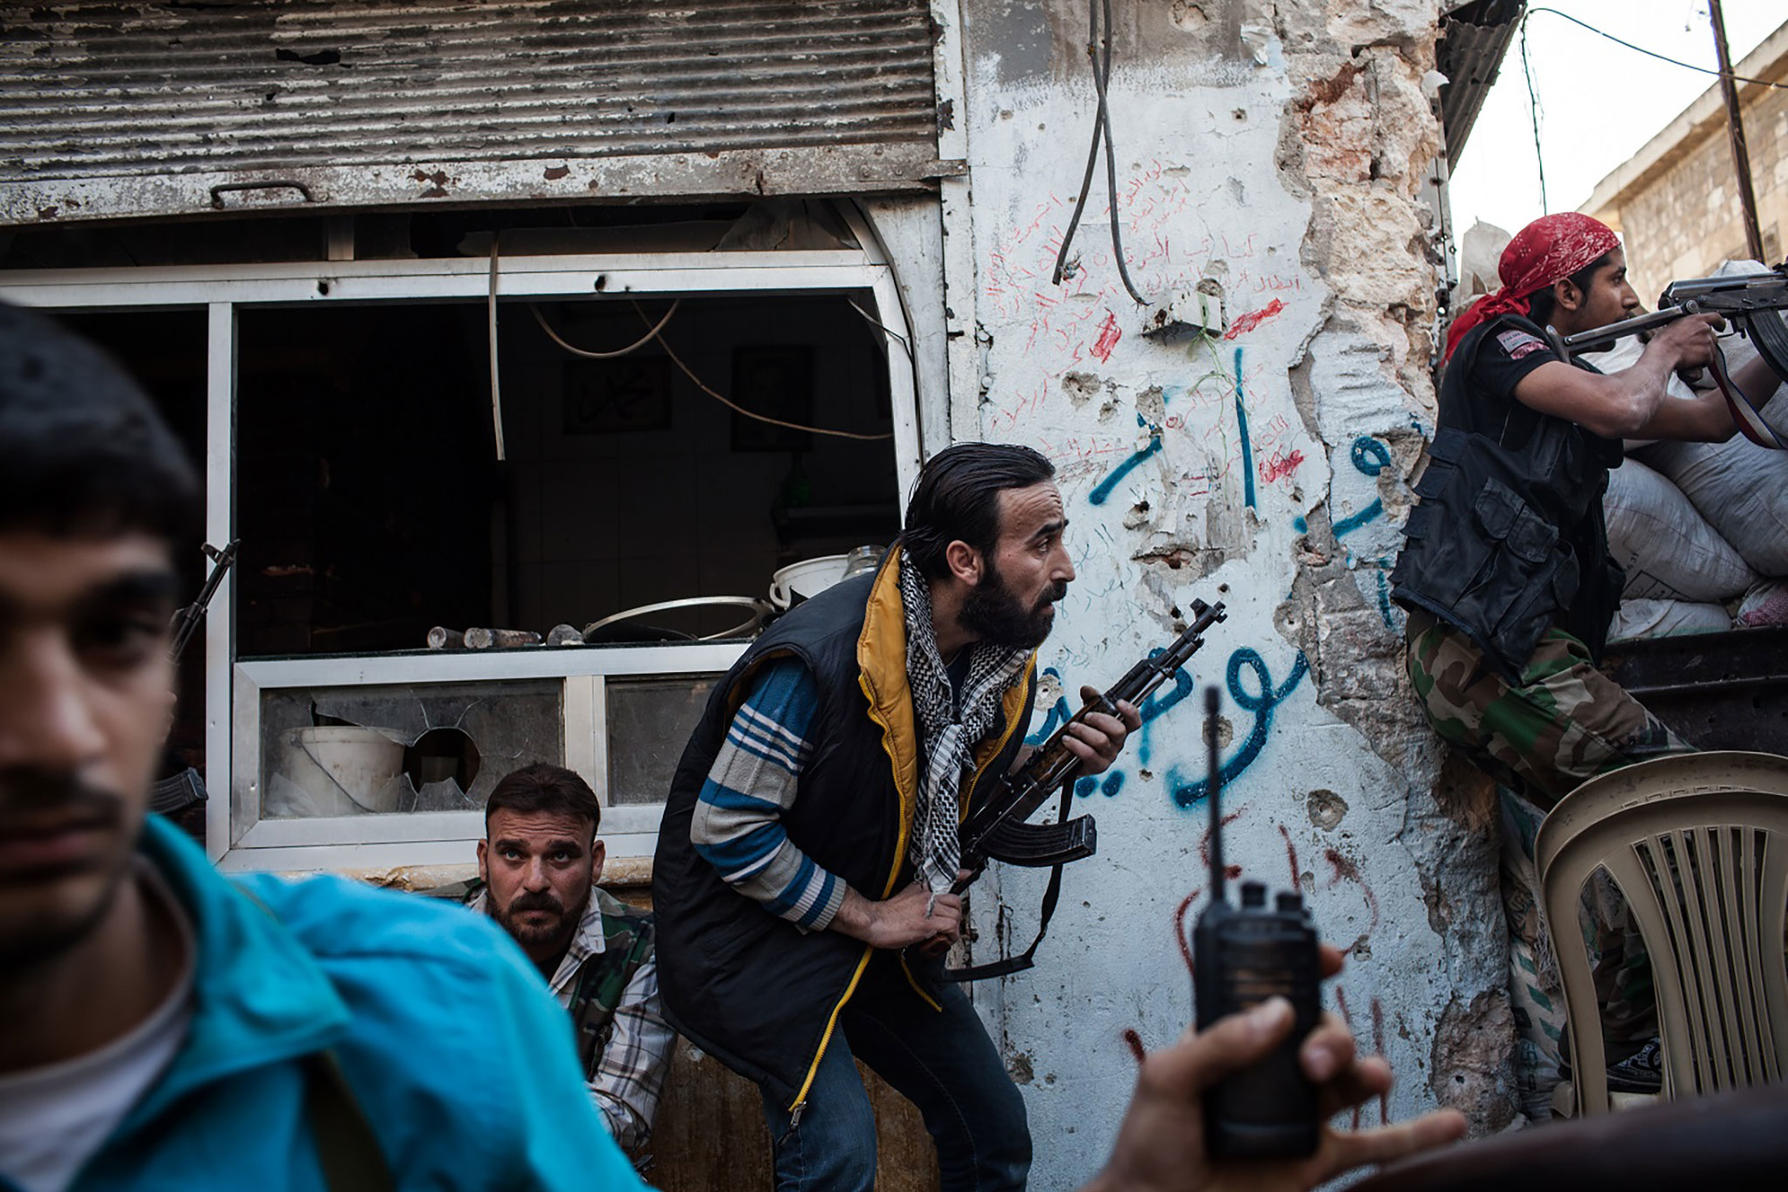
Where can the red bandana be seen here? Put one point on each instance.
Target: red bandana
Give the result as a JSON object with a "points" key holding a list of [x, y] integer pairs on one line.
{"points": [[1549, 249]]}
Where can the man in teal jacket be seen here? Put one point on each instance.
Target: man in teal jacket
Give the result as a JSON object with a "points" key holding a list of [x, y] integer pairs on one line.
{"points": [[164, 1027]]}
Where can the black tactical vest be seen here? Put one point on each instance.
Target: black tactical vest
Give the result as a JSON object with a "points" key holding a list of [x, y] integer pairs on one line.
{"points": [[1508, 538]]}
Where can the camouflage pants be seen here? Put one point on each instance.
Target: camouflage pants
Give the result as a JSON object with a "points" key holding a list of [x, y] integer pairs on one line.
{"points": [[1563, 723]]}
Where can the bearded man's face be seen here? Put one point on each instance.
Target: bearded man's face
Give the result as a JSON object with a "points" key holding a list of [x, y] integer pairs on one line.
{"points": [[539, 868], [1026, 574], [995, 612]]}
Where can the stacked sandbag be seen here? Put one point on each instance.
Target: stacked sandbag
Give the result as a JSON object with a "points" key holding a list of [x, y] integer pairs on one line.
{"points": [[1666, 618], [1741, 488], [1687, 568], [1669, 550], [1765, 604]]}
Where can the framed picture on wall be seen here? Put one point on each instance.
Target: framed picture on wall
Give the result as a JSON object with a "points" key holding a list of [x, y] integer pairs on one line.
{"points": [[778, 383], [605, 397]]}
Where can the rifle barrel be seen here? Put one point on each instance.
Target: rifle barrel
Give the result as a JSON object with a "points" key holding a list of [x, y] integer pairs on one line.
{"points": [[1623, 328]]}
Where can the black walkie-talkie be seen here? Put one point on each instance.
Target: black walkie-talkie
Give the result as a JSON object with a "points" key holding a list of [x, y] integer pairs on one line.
{"points": [[1242, 956]]}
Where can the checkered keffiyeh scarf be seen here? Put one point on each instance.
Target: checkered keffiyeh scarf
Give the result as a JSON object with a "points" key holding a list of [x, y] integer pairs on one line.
{"points": [[948, 728]]}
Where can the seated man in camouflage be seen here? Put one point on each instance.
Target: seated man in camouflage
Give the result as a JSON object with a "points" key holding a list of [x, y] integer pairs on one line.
{"points": [[537, 868]]}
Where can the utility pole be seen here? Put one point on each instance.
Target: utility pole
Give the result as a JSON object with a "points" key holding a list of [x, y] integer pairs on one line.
{"points": [[1735, 128]]}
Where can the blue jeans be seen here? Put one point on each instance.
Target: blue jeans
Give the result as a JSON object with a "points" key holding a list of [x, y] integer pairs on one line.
{"points": [[943, 1063]]}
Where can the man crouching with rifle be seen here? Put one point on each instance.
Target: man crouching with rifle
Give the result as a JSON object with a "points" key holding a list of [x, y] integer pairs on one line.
{"points": [[811, 834]]}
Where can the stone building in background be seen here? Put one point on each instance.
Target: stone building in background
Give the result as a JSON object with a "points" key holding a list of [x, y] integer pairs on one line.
{"points": [[1675, 204], [338, 240]]}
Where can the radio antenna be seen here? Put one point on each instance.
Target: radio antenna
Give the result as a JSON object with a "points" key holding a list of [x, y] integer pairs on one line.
{"points": [[1213, 787]]}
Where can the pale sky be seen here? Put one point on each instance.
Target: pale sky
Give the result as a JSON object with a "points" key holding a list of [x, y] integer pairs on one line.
{"points": [[1598, 102]]}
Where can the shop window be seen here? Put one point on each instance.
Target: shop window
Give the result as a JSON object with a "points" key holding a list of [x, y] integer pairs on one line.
{"points": [[343, 416], [401, 749], [649, 722], [372, 507]]}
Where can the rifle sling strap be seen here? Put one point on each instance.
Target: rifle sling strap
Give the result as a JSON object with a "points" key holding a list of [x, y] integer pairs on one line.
{"points": [[1027, 958], [347, 1150]]}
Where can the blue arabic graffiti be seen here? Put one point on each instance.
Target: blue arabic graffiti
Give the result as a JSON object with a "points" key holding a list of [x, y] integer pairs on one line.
{"points": [[1113, 783], [1370, 457], [1152, 708], [1384, 601], [1187, 795], [1158, 703], [1241, 421], [1100, 494]]}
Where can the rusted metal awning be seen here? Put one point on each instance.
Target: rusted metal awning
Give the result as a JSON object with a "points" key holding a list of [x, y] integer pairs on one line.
{"points": [[112, 109], [1474, 37]]}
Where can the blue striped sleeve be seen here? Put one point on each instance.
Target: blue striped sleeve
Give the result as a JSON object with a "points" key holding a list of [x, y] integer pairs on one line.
{"points": [[737, 826]]}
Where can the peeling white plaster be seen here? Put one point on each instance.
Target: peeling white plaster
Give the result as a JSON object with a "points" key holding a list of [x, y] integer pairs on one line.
{"points": [[1168, 503]]}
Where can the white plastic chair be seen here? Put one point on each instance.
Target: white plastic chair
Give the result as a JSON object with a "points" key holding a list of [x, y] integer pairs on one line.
{"points": [[1698, 846]]}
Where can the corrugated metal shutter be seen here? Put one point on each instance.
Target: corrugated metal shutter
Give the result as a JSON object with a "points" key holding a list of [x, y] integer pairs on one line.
{"points": [[110, 108]]}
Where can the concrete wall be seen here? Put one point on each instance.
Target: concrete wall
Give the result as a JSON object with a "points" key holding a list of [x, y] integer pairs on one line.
{"points": [[1272, 153], [1676, 205], [1686, 220]]}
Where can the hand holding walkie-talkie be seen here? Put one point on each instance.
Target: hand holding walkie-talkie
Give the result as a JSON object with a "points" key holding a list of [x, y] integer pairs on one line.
{"points": [[1243, 956], [1251, 1085]]}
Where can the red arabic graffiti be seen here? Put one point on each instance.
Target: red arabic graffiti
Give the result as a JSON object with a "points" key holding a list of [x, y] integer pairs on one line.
{"points": [[1254, 318], [1280, 466], [1108, 338]]}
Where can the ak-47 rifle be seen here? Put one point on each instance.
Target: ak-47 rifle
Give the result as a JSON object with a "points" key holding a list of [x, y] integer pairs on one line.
{"points": [[996, 830], [188, 619], [179, 793], [1751, 302]]}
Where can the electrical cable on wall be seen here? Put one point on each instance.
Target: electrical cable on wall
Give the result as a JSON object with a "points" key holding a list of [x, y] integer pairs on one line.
{"points": [[1099, 44]]}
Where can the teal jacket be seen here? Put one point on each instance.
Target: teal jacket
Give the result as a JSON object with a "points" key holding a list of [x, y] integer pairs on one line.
{"points": [[460, 1059]]}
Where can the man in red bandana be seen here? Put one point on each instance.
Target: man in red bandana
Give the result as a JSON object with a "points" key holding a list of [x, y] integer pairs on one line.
{"points": [[1505, 571]]}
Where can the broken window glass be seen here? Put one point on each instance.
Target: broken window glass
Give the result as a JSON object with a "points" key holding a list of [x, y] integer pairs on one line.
{"points": [[330, 751], [649, 723]]}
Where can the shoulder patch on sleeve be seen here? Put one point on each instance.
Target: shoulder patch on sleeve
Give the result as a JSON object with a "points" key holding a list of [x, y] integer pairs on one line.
{"points": [[1518, 343]]}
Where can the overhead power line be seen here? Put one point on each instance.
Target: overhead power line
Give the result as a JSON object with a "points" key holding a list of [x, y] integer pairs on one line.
{"points": [[1533, 110], [1648, 53]]}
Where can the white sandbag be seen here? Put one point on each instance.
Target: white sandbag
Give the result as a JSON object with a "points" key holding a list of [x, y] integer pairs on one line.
{"points": [[1739, 487], [1666, 618], [1669, 550]]}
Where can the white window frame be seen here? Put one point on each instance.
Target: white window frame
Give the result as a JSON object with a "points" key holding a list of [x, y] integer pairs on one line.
{"points": [[232, 689]]}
